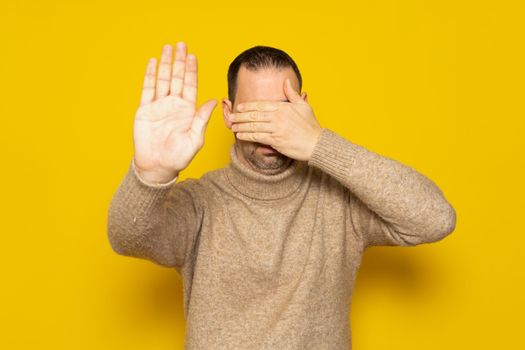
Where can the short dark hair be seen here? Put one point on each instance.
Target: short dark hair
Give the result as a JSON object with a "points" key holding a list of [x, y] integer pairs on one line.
{"points": [[256, 58]]}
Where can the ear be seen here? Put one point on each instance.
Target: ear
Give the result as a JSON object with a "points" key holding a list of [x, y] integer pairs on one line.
{"points": [[227, 109], [304, 96]]}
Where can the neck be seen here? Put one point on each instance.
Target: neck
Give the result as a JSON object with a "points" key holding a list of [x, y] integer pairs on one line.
{"points": [[258, 185]]}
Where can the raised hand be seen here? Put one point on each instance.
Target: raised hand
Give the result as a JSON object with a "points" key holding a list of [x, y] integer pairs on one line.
{"points": [[168, 129]]}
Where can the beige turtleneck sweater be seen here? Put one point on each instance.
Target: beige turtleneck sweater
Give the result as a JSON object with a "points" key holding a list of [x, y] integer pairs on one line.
{"points": [[269, 261]]}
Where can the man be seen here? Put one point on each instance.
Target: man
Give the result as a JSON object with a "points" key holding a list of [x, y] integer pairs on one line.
{"points": [[268, 247]]}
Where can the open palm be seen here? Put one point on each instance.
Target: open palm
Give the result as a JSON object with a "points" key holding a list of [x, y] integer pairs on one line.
{"points": [[168, 129]]}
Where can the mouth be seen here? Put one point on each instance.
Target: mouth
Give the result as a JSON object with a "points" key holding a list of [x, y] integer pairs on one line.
{"points": [[267, 149]]}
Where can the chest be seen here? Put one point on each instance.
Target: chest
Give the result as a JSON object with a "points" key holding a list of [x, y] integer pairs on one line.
{"points": [[275, 243]]}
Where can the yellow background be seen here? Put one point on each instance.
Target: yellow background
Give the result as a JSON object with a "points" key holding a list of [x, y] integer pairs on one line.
{"points": [[437, 85]]}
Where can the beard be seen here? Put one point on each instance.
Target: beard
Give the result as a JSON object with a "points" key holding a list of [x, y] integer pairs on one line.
{"points": [[268, 162]]}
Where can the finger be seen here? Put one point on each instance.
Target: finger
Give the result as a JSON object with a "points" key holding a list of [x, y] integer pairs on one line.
{"points": [[164, 77], [177, 77], [292, 95], [148, 87], [189, 90], [253, 127], [259, 106], [198, 126], [252, 116], [260, 137]]}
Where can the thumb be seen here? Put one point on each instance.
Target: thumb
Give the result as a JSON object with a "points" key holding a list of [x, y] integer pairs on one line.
{"points": [[200, 121], [292, 95]]}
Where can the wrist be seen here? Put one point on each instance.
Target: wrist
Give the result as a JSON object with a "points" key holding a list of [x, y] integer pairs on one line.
{"points": [[154, 178]]}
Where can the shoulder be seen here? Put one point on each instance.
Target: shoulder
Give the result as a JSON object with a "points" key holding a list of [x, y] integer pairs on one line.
{"points": [[204, 187], [325, 182]]}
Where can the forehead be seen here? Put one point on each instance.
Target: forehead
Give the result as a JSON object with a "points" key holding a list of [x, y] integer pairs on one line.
{"points": [[263, 84]]}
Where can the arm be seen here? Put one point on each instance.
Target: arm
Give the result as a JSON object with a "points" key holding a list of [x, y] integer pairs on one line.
{"points": [[151, 216], [154, 222], [389, 203]]}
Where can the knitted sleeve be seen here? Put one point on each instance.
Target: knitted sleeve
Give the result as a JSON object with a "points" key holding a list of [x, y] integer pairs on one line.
{"points": [[154, 222], [389, 203]]}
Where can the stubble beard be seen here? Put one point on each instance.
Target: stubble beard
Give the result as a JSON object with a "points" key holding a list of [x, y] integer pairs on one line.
{"points": [[268, 164]]}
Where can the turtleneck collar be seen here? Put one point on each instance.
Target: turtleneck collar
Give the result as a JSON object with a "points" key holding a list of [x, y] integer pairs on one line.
{"points": [[261, 186]]}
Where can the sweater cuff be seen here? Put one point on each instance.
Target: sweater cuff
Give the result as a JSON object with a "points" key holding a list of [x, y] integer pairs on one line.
{"points": [[158, 185], [334, 154], [140, 195]]}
